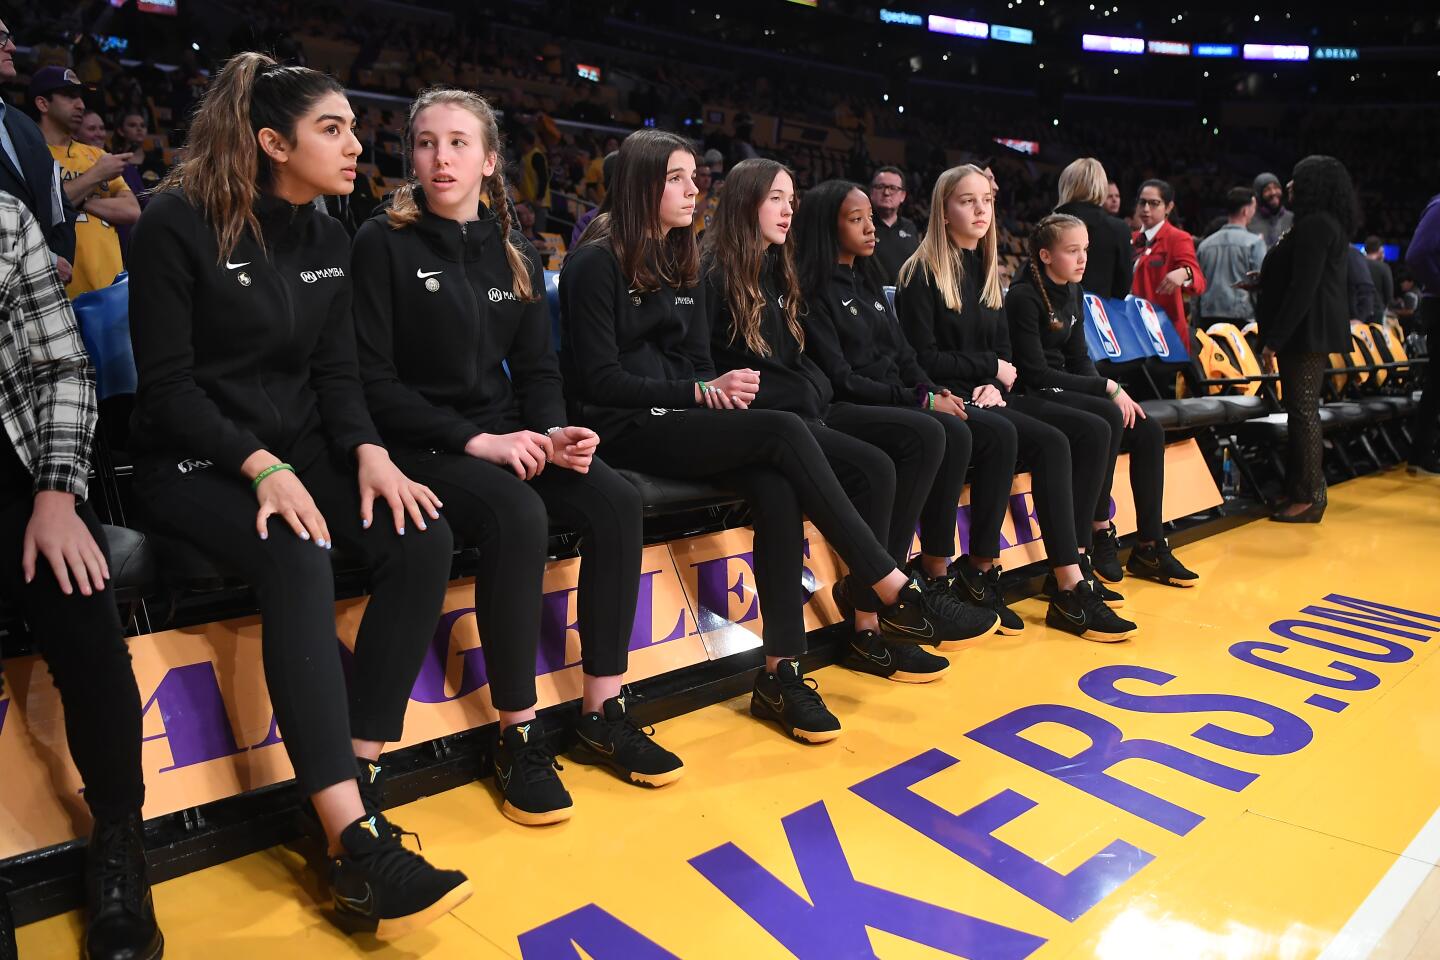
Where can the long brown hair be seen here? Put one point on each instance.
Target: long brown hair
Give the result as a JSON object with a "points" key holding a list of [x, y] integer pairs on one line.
{"points": [[1044, 237], [223, 169], [405, 209], [629, 219], [941, 258], [735, 244]]}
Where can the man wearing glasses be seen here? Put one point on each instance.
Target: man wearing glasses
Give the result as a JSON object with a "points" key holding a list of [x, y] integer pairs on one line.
{"points": [[896, 236], [28, 171]]}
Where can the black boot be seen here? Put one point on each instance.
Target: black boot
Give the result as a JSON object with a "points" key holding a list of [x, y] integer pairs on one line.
{"points": [[121, 915]]}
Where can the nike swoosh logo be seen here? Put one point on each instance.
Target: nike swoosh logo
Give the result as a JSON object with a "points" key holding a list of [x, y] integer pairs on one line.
{"points": [[928, 632], [871, 657], [597, 748], [846, 303], [359, 906], [1080, 619], [774, 704], [421, 274], [504, 776], [236, 266]]}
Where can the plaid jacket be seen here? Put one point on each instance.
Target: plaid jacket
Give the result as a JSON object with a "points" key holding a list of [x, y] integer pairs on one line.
{"points": [[47, 384]]}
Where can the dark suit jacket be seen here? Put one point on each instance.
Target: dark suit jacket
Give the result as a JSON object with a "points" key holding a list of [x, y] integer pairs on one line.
{"points": [[1108, 272], [34, 183], [1304, 304]]}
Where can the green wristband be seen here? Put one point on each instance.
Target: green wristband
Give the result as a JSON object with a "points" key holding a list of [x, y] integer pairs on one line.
{"points": [[930, 405], [273, 468], [1116, 393]]}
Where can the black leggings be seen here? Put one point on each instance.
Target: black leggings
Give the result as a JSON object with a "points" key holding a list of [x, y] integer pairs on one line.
{"points": [[1301, 376], [295, 590], [898, 469], [772, 459], [82, 643], [508, 519], [1001, 435], [1095, 426]]}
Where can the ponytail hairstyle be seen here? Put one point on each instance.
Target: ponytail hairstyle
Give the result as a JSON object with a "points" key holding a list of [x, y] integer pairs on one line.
{"points": [[816, 238], [1044, 237], [223, 169], [735, 244], [405, 210], [629, 219], [940, 258]]}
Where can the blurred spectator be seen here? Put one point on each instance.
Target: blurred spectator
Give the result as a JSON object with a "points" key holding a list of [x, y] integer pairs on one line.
{"points": [[533, 183], [1380, 275], [1271, 219], [1112, 198], [1359, 286], [715, 160], [1082, 192], [607, 170], [706, 201], [1407, 303], [897, 237], [92, 130], [1229, 258], [29, 173], [91, 178]]}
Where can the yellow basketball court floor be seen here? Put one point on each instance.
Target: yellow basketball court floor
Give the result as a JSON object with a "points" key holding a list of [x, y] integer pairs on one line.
{"points": [[1256, 775]]}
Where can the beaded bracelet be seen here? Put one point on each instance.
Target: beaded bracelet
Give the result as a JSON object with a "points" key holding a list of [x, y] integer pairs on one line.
{"points": [[273, 468]]}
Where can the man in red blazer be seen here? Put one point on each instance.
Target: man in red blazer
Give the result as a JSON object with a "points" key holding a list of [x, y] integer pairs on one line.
{"points": [[1165, 262]]}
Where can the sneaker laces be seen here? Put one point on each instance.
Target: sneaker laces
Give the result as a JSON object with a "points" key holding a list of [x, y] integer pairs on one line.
{"points": [[535, 761], [393, 861], [1091, 603], [943, 603], [629, 733], [803, 692]]}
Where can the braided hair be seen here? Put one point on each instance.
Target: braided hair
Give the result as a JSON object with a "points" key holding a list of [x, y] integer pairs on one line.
{"points": [[405, 210], [1044, 237]]}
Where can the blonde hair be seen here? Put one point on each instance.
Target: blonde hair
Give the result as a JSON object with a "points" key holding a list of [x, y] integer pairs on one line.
{"points": [[405, 210], [1046, 234], [1083, 181], [939, 257]]}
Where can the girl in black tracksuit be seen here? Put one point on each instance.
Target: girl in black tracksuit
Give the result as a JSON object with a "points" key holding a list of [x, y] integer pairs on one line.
{"points": [[249, 397], [447, 297], [886, 459], [1061, 386], [638, 369], [949, 306], [855, 338]]}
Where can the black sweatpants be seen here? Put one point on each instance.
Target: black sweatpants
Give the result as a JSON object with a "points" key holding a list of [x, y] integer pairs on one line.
{"points": [[1002, 434], [1301, 376], [774, 461], [1094, 425], [508, 519], [295, 589], [84, 646], [1427, 413], [888, 460]]}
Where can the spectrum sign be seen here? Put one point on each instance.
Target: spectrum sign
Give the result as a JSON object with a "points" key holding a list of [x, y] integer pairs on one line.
{"points": [[901, 18]]}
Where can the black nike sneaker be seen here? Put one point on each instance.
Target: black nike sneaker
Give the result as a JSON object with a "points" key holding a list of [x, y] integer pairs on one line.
{"points": [[525, 773], [380, 887], [982, 588], [934, 616], [1105, 555], [371, 783], [1157, 562], [1083, 613], [610, 738], [902, 662], [794, 702], [1111, 598]]}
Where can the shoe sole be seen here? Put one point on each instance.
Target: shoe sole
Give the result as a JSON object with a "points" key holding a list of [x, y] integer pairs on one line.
{"points": [[899, 676], [1101, 576], [396, 927], [1166, 581], [528, 819], [1093, 635], [1005, 631], [804, 736], [585, 755], [156, 954]]}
